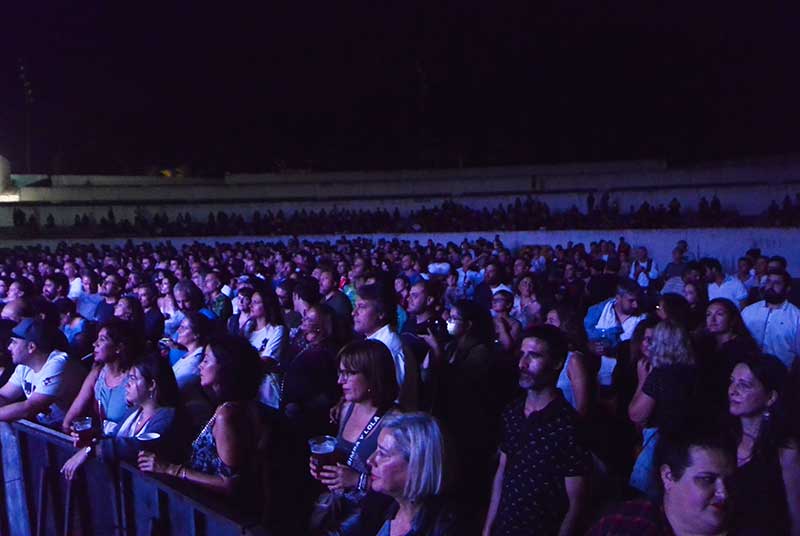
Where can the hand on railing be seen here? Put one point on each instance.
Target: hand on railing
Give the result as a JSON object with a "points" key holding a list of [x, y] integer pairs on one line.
{"points": [[149, 463], [72, 465]]}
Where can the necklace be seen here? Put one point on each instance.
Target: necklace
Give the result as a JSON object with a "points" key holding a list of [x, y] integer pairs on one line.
{"points": [[139, 424]]}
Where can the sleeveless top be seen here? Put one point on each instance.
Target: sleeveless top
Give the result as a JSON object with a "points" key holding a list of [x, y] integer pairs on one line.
{"points": [[365, 448], [111, 403], [760, 503], [205, 457]]}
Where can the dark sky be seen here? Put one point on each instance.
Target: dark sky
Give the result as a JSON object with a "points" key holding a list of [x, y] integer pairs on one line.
{"points": [[124, 87]]}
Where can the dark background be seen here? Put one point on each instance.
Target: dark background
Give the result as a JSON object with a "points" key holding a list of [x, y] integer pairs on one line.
{"points": [[123, 87]]}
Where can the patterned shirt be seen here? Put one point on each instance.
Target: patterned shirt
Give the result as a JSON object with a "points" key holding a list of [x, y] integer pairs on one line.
{"points": [[633, 518], [542, 450]]}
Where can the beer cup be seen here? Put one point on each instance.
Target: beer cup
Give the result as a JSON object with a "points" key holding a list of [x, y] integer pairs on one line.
{"points": [[83, 427]]}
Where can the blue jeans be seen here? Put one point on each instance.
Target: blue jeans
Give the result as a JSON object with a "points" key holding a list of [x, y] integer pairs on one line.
{"points": [[643, 476]]}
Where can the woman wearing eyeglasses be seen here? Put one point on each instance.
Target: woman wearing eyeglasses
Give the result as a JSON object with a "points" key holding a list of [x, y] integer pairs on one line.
{"points": [[369, 385]]}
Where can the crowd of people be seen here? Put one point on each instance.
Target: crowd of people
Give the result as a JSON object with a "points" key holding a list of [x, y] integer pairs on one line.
{"points": [[528, 213], [446, 388]]}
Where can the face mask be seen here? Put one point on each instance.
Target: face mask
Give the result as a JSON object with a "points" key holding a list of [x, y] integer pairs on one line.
{"points": [[451, 327], [772, 297]]}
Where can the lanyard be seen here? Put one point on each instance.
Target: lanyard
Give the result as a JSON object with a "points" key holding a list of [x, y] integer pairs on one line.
{"points": [[364, 433]]}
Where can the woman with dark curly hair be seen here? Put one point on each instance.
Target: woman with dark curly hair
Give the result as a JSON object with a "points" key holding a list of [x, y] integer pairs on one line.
{"points": [[102, 395], [225, 456]]}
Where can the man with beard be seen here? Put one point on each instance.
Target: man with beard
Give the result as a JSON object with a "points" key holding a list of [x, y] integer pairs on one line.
{"points": [[774, 322], [55, 288], [541, 478], [110, 290]]}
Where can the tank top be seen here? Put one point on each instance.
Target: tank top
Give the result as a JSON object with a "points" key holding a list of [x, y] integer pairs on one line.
{"points": [[110, 402], [365, 448]]}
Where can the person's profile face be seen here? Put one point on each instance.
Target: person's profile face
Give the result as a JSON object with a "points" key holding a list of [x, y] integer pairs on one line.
{"points": [[366, 319], [699, 498], [747, 396], [389, 468]]}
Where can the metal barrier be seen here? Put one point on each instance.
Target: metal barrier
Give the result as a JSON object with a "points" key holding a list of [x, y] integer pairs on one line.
{"points": [[103, 499]]}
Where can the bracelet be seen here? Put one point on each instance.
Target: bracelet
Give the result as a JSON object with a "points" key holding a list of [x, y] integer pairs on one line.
{"points": [[182, 473], [362, 482], [174, 470]]}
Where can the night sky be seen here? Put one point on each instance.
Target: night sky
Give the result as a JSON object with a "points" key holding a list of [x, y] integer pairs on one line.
{"points": [[123, 87]]}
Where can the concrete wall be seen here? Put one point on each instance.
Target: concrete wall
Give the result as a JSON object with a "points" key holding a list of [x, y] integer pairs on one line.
{"points": [[727, 245], [748, 200]]}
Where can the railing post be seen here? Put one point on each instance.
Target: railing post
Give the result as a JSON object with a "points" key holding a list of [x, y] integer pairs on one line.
{"points": [[14, 481], [41, 501], [68, 508]]}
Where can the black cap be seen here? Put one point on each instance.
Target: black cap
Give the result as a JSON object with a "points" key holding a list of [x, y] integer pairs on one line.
{"points": [[37, 331]]}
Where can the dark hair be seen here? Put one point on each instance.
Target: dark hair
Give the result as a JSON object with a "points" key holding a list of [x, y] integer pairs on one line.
{"points": [[272, 306], [787, 279], [123, 333], [674, 447], [200, 325], [137, 318], [711, 264], [247, 292], [692, 266], [676, 308], [648, 322], [554, 338], [775, 431], [153, 367], [737, 326], [571, 326], [626, 285], [307, 289], [26, 286], [373, 359], [325, 314], [383, 298], [780, 260], [482, 327], [150, 288], [240, 367], [59, 280]]}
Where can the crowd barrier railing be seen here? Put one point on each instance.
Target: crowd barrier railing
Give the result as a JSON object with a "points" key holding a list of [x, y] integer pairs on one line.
{"points": [[105, 499]]}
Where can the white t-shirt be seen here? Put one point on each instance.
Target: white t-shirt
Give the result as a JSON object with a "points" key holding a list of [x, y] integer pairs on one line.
{"points": [[269, 341], [187, 369], [59, 377]]}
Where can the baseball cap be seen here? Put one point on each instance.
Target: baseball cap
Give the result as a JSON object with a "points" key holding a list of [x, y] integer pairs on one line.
{"points": [[38, 332]]}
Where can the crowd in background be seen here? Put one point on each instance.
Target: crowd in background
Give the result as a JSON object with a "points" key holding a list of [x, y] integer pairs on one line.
{"points": [[528, 213], [468, 389]]}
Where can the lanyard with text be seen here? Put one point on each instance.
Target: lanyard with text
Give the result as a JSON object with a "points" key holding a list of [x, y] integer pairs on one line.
{"points": [[367, 429]]}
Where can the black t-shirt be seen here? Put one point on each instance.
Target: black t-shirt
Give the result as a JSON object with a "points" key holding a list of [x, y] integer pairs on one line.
{"points": [[542, 450], [673, 387]]}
